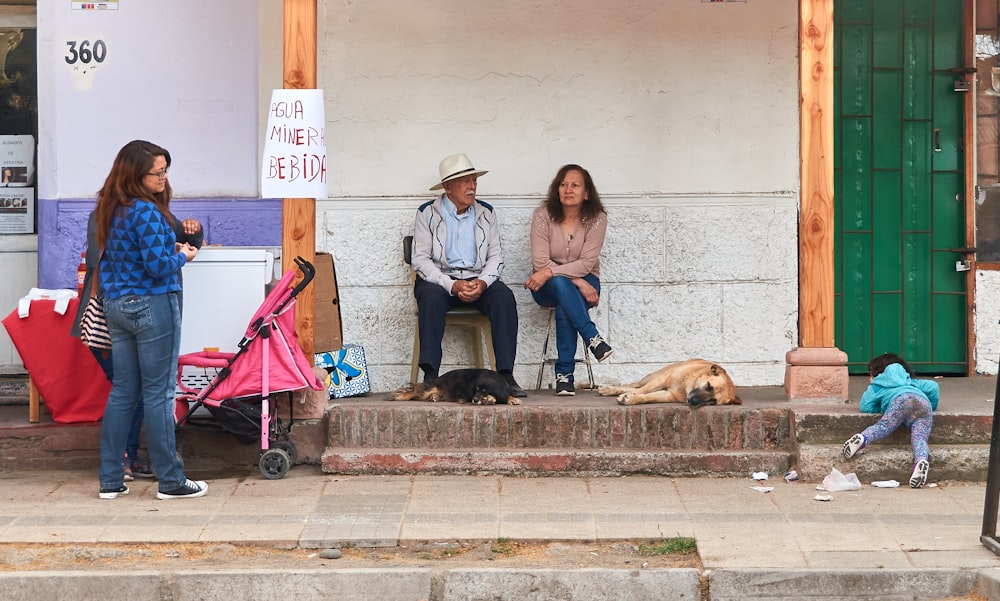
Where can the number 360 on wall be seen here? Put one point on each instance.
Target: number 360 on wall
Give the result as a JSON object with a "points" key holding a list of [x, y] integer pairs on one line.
{"points": [[85, 52]]}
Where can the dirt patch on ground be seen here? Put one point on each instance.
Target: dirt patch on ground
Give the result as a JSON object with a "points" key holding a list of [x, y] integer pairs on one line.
{"points": [[442, 556], [604, 554]]}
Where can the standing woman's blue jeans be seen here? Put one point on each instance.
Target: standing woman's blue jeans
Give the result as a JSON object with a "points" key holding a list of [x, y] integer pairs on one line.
{"points": [[572, 317], [145, 335]]}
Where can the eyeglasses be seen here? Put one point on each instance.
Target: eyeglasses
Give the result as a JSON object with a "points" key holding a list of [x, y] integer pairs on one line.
{"points": [[162, 174]]}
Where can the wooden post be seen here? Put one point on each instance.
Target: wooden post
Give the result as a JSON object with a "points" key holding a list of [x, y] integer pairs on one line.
{"points": [[816, 369], [298, 215], [816, 223], [969, 55]]}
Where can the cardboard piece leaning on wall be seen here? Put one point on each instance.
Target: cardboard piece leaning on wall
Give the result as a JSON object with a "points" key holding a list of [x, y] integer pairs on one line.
{"points": [[327, 332]]}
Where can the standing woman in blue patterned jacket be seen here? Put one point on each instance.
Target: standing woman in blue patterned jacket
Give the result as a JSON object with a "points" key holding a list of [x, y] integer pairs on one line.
{"points": [[140, 279]]}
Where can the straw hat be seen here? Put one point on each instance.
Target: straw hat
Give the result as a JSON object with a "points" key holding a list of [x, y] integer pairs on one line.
{"points": [[454, 167]]}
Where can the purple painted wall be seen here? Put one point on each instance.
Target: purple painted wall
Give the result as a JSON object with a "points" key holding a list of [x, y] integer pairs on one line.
{"points": [[62, 230]]}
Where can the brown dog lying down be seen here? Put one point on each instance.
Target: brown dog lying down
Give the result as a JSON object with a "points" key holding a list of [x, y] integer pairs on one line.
{"points": [[476, 386], [695, 381]]}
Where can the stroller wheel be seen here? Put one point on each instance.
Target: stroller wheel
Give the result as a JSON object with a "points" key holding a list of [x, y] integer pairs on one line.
{"points": [[288, 447], [274, 463]]}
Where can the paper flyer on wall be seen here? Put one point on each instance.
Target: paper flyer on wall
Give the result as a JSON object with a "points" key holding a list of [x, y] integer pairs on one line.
{"points": [[17, 210], [17, 161]]}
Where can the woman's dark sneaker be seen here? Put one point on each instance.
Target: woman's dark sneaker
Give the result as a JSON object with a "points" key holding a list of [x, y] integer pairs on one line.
{"points": [[564, 385], [600, 348], [189, 490], [113, 493]]}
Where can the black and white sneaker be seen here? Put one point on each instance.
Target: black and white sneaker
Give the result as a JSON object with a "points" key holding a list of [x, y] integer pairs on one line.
{"points": [[600, 348], [919, 476], [853, 445], [189, 490], [113, 493], [564, 385]]}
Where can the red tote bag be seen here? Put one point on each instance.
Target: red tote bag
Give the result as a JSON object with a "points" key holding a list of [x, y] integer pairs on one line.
{"points": [[69, 379]]}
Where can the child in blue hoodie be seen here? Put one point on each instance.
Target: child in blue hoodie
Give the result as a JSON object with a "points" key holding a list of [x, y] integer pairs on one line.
{"points": [[902, 401]]}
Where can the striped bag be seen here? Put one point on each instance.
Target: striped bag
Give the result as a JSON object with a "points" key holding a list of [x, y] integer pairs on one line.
{"points": [[94, 326]]}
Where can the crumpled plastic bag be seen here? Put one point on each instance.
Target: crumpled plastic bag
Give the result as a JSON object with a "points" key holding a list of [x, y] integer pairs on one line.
{"points": [[836, 481], [886, 484]]}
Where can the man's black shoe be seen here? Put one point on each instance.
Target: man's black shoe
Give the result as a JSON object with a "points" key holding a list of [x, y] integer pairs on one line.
{"points": [[515, 389]]}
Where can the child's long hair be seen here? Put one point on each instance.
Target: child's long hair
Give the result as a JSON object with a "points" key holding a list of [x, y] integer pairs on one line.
{"points": [[878, 364]]}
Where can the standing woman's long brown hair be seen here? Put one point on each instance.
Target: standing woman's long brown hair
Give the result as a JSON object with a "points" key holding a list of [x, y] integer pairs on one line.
{"points": [[124, 183]]}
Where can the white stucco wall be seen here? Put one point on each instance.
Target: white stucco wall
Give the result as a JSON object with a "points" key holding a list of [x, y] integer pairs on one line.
{"points": [[652, 96], [986, 321], [180, 73], [686, 114]]}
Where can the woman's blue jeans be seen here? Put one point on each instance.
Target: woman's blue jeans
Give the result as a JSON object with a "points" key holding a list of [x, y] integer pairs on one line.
{"points": [[572, 317], [145, 335]]}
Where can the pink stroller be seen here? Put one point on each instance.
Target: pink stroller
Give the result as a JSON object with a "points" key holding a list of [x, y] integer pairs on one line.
{"points": [[240, 394]]}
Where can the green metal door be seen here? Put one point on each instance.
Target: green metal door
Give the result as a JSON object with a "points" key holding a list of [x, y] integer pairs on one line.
{"points": [[898, 164]]}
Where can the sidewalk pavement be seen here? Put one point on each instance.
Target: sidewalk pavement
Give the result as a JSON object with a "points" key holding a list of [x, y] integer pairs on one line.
{"points": [[735, 526]]}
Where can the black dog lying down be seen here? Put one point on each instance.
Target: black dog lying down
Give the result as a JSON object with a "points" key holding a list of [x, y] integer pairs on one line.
{"points": [[476, 386]]}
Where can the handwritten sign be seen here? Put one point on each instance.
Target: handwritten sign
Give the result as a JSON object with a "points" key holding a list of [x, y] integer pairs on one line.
{"points": [[294, 163]]}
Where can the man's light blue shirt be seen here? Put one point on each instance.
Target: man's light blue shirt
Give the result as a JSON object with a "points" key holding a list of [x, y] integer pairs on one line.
{"points": [[460, 250]]}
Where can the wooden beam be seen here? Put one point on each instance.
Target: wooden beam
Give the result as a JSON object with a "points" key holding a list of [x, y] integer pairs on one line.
{"points": [[969, 194], [298, 215], [816, 216]]}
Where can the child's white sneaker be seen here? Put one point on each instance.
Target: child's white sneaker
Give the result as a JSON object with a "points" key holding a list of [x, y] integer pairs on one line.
{"points": [[919, 476], [853, 445]]}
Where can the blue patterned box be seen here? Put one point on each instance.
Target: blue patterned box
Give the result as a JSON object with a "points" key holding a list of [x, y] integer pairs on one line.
{"points": [[346, 369]]}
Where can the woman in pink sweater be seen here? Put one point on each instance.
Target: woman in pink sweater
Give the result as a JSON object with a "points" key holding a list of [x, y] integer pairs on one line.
{"points": [[567, 235]]}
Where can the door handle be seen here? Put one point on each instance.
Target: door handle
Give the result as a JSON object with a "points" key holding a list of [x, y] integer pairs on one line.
{"points": [[937, 139]]}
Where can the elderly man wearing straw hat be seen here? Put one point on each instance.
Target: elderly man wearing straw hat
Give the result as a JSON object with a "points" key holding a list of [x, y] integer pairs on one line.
{"points": [[458, 261]]}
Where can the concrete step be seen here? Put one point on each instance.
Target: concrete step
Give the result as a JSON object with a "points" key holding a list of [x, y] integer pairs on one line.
{"points": [[449, 426], [558, 462], [966, 463], [817, 424], [581, 437], [959, 444], [586, 434]]}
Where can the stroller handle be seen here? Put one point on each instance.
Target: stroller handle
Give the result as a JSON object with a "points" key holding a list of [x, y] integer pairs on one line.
{"points": [[308, 273]]}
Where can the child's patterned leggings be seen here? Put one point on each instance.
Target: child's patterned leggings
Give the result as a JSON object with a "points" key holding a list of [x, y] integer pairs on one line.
{"points": [[910, 410]]}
